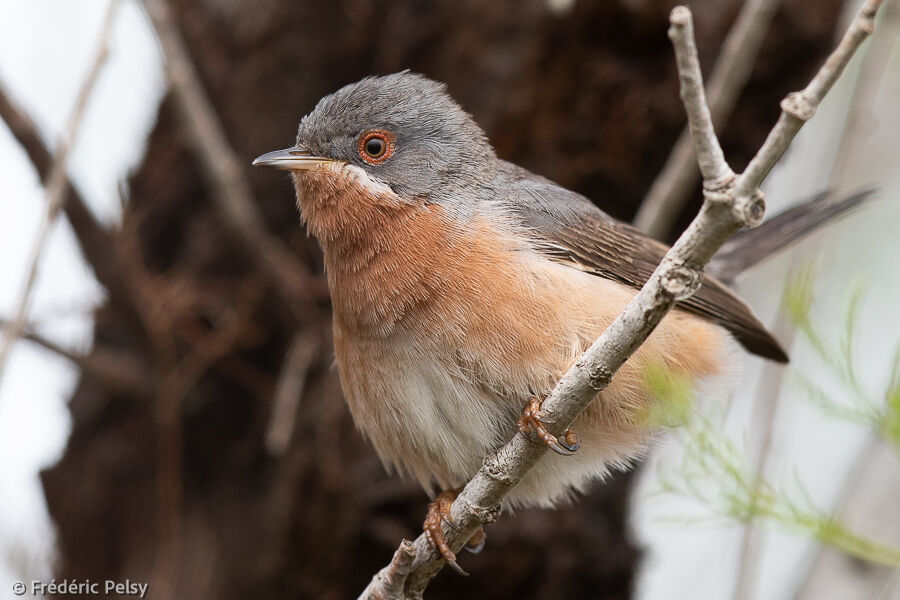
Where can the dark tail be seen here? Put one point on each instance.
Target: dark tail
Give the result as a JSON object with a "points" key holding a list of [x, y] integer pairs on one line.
{"points": [[751, 246]]}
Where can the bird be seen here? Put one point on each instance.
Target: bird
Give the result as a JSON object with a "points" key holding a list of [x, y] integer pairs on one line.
{"points": [[463, 287]]}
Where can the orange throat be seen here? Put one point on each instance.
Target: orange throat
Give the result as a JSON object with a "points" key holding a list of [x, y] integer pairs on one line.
{"points": [[385, 259]]}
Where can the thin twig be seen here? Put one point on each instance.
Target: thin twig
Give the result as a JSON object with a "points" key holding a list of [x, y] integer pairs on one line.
{"points": [[176, 382], [709, 153], [390, 581], [231, 324], [672, 187], [800, 107], [865, 500], [233, 195], [113, 369], [766, 408], [94, 239], [291, 381], [56, 187], [729, 205]]}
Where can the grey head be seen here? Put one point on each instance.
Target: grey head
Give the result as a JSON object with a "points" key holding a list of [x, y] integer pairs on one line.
{"points": [[404, 130]]}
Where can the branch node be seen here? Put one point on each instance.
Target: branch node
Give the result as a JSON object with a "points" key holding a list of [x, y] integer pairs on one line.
{"points": [[719, 185], [492, 467], [718, 190], [486, 515], [599, 375], [866, 22], [680, 281], [750, 210], [799, 106]]}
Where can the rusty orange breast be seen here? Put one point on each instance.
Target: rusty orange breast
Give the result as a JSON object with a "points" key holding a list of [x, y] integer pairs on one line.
{"points": [[388, 260]]}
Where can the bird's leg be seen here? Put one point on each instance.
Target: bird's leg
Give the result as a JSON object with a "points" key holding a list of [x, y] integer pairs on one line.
{"points": [[438, 511], [530, 425]]}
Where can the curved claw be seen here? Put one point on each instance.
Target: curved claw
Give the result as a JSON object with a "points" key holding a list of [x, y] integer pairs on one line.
{"points": [[567, 445], [436, 537], [455, 566], [446, 518], [530, 424], [439, 512]]}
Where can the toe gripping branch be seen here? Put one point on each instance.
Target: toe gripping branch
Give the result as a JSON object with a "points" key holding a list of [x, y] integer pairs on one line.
{"points": [[530, 425], [438, 512]]}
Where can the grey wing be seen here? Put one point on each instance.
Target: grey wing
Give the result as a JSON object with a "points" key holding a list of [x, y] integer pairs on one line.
{"points": [[572, 230]]}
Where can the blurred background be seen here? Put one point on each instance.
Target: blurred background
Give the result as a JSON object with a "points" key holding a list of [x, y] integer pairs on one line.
{"points": [[170, 413]]}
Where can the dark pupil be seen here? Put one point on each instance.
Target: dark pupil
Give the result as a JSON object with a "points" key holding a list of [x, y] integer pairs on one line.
{"points": [[374, 147]]}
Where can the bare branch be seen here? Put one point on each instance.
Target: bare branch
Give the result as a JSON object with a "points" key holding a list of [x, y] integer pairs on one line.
{"points": [[799, 107], [93, 238], [219, 341], [765, 405], [56, 187], [709, 154], [673, 185], [233, 195], [114, 370], [178, 378], [729, 205], [390, 581]]}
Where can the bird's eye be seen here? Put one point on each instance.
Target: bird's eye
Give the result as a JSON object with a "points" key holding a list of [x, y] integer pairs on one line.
{"points": [[376, 146]]}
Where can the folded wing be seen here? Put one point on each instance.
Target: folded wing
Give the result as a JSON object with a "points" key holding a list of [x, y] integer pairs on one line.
{"points": [[571, 230]]}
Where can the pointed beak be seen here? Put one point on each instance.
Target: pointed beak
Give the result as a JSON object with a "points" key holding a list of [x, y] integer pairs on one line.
{"points": [[290, 159]]}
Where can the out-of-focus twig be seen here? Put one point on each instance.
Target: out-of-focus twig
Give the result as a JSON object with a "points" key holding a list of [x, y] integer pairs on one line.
{"points": [[672, 187], [177, 380], [210, 347], [233, 195], [56, 187], [867, 502], [114, 370], [297, 361], [93, 238], [765, 411]]}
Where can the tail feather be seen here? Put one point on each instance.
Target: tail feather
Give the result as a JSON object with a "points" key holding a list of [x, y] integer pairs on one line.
{"points": [[751, 246]]}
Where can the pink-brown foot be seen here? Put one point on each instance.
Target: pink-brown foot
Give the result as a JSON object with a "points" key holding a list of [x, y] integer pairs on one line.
{"points": [[439, 511], [530, 424]]}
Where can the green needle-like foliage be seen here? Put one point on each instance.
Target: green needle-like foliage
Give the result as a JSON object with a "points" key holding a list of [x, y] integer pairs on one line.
{"points": [[715, 473]]}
